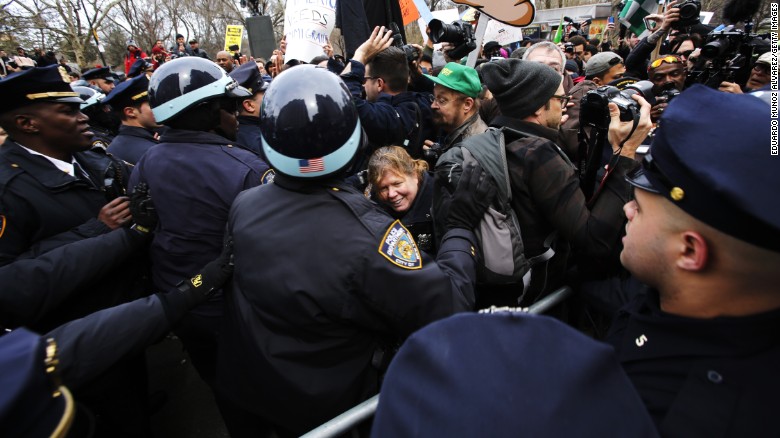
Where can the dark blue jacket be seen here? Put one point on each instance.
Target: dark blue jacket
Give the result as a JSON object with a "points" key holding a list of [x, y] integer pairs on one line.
{"points": [[392, 120], [249, 134], [193, 178], [131, 143], [320, 293]]}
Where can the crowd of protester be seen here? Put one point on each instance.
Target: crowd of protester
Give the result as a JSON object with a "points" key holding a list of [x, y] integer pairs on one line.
{"points": [[292, 221]]}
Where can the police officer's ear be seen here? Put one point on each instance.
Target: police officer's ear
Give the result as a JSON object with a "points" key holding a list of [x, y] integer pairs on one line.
{"points": [[129, 112], [25, 123], [693, 251], [249, 105]]}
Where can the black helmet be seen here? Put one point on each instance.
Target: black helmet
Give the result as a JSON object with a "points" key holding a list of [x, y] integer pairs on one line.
{"points": [[309, 125], [185, 82], [89, 95]]}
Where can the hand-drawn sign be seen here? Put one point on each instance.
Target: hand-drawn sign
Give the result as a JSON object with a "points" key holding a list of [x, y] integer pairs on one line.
{"points": [[514, 12]]}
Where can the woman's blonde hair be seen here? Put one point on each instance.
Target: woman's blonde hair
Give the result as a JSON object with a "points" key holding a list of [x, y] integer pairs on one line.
{"points": [[394, 159]]}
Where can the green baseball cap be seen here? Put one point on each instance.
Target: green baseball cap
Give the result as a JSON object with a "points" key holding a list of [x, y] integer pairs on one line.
{"points": [[459, 78]]}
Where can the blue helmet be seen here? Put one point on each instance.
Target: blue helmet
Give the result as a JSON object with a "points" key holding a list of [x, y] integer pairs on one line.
{"points": [[185, 82], [309, 124]]}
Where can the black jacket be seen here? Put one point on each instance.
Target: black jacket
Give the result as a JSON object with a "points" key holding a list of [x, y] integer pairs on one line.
{"points": [[701, 377], [324, 280], [43, 208]]}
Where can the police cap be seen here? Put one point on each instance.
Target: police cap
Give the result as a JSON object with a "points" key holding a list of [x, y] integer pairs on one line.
{"points": [[39, 84], [128, 93], [507, 375], [98, 73], [31, 402], [711, 157], [249, 77], [138, 67]]}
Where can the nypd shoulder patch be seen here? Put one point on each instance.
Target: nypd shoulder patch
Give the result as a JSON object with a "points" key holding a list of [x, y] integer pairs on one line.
{"points": [[268, 177], [398, 246]]}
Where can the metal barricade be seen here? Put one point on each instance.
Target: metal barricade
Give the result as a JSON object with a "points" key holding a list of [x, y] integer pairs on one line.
{"points": [[366, 409]]}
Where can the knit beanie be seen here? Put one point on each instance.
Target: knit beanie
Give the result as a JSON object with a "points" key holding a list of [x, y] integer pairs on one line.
{"points": [[520, 87]]}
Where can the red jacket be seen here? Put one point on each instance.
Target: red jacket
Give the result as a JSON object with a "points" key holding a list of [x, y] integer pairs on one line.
{"points": [[132, 57]]}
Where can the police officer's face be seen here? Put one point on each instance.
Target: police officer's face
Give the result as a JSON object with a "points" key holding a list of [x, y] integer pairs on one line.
{"points": [[146, 116], [397, 191], [449, 108], [60, 126], [643, 245], [104, 85]]}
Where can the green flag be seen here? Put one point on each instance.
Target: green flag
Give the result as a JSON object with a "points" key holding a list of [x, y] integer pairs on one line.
{"points": [[633, 14], [559, 34]]}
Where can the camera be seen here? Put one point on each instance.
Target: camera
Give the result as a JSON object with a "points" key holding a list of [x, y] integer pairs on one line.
{"points": [[594, 110], [689, 14], [568, 47], [726, 56], [431, 156], [411, 52], [459, 33]]}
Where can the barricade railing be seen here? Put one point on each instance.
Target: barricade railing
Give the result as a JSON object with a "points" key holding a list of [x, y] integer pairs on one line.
{"points": [[356, 415]]}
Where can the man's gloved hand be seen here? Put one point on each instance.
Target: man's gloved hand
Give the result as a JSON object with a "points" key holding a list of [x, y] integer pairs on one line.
{"points": [[214, 275], [471, 199], [142, 209]]}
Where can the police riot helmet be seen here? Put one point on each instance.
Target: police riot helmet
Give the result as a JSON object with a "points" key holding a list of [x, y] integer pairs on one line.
{"points": [[184, 82], [89, 95], [309, 125]]}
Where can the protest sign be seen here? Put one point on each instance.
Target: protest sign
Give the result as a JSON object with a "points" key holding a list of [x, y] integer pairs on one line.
{"points": [[307, 25], [233, 35]]}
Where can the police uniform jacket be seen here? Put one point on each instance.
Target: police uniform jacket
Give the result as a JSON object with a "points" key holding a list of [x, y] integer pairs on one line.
{"points": [[131, 143], [701, 377], [323, 279], [102, 138], [547, 198], [249, 133], [27, 296], [391, 120], [42, 208], [193, 177]]}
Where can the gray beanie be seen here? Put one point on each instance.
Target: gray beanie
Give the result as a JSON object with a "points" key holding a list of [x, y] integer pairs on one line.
{"points": [[520, 87]]}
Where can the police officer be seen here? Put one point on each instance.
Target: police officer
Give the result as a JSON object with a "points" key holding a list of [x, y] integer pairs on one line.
{"points": [[54, 190], [326, 279], [194, 174], [38, 373], [703, 233], [130, 101], [249, 77], [100, 78], [104, 124]]}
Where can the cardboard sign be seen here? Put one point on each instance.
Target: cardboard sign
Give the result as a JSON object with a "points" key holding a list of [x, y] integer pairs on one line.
{"points": [[409, 11], [307, 25], [233, 36], [502, 33]]}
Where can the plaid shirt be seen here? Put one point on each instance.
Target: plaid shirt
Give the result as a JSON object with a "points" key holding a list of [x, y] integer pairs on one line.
{"points": [[547, 198]]}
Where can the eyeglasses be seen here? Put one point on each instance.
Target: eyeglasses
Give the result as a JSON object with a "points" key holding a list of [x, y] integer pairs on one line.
{"points": [[761, 68], [564, 99], [367, 78], [685, 54], [671, 59]]}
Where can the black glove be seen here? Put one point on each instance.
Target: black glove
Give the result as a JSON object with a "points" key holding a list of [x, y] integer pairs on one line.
{"points": [[214, 275], [471, 199], [142, 209]]}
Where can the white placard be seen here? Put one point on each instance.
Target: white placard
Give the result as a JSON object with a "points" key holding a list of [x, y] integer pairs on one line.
{"points": [[307, 25], [502, 33]]}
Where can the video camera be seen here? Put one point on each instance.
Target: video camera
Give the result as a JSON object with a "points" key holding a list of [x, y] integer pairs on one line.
{"points": [[459, 33], [726, 56]]}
